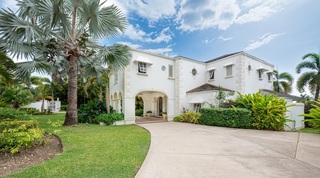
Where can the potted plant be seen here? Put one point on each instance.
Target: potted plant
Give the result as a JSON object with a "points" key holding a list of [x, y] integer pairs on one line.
{"points": [[149, 113], [164, 114], [101, 120]]}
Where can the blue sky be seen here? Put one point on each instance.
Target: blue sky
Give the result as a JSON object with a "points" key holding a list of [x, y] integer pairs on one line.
{"points": [[277, 31]]}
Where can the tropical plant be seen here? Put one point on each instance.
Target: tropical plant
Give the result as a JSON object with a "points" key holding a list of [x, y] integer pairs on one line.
{"points": [[88, 112], [190, 117], [47, 30], [268, 111], [313, 115], [16, 95], [7, 67], [283, 82], [43, 85], [309, 79]]}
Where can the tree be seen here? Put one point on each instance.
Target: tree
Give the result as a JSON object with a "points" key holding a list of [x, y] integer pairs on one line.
{"points": [[43, 85], [44, 30], [283, 82], [311, 78], [7, 67]]}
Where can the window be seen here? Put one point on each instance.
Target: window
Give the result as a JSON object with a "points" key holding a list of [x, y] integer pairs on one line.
{"points": [[211, 74], [260, 74], [115, 78], [194, 71], [269, 76], [229, 71], [197, 107], [142, 67], [170, 71]]}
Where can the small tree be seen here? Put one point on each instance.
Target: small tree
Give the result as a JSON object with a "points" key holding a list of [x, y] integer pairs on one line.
{"points": [[221, 96]]}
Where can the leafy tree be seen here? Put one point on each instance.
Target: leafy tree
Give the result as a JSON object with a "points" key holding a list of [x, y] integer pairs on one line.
{"points": [[46, 30], [16, 95], [311, 78], [283, 82], [7, 67]]}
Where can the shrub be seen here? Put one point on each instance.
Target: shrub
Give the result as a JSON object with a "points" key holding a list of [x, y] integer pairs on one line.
{"points": [[32, 111], [190, 117], [268, 111], [307, 107], [226, 117], [313, 118], [88, 112], [63, 107], [17, 134], [139, 112], [11, 113], [109, 119], [176, 119], [149, 112]]}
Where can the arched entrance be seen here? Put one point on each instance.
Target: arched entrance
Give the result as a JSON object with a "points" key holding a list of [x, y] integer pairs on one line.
{"points": [[154, 103]]}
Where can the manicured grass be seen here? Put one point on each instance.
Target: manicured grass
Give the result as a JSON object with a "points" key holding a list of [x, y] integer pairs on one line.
{"points": [[93, 151], [310, 130]]}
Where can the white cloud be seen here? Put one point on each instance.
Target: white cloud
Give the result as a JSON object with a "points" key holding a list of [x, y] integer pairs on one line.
{"points": [[265, 39], [167, 51], [153, 10], [131, 45], [207, 41], [200, 15], [259, 9], [135, 33]]}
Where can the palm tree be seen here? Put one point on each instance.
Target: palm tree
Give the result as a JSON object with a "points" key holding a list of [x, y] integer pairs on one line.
{"points": [[311, 78], [46, 29], [283, 82], [43, 85], [7, 67]]}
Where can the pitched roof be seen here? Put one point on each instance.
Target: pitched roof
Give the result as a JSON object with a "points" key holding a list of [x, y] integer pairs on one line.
{"points": [[281, 94], [207, 87], [221, 57]]}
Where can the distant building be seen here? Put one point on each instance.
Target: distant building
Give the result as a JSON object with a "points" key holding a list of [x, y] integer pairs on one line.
{"points": [[175, 84]]}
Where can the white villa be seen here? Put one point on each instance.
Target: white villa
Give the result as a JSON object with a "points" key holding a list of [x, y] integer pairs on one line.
{"points": [[174, 84]]}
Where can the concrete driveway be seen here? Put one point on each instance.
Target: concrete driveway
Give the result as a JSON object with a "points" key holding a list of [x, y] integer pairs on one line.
{"points": [[188, 150]]}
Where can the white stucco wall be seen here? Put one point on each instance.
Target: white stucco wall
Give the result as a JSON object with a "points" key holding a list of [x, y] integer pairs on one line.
{"points": [[293, 114], [187, 81], [252, 81], [155, 80]]}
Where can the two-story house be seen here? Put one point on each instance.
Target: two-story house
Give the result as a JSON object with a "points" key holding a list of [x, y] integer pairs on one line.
{"points": [[174, 84]]}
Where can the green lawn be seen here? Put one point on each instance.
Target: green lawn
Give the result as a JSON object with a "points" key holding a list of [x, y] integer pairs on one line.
{"points": [[93, 151], [310, 130]]}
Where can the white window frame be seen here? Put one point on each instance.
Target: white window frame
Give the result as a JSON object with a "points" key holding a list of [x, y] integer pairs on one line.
{"points": [[211, 74], [142, 67], [170, 71], [260, 72], [231, 66]]}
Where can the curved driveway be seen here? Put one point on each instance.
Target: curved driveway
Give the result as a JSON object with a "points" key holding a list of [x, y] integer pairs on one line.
{"points": [[188, 150]]}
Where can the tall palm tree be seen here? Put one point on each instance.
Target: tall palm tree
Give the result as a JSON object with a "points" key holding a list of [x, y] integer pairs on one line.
{"points": [[283, 82], [42, 30], [310, 79]]}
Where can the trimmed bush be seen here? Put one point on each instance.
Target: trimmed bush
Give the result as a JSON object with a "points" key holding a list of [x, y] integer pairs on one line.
{"points": [[190, 117], [226, 117], [88, 112], [17, 134], [11, 113], [109, 119], [176, 119], [139, 112], [268, 111]]}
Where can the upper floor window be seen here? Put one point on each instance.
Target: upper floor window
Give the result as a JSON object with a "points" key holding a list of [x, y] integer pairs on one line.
{"points": [[211, 74], [170, 71], [260, 74], [270, 76], [142, 67], [229, 71]]}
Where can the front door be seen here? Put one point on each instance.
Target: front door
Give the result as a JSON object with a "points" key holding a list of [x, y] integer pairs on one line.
{"points": [[160, 105]]}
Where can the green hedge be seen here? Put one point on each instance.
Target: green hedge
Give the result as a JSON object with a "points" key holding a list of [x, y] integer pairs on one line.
{"points": [[226, 117]]}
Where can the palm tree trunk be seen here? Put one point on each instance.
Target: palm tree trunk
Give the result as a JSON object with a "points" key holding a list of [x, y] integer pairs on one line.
{"points": [[72, 115], [317, 88], [107, 97], [42, 105]]}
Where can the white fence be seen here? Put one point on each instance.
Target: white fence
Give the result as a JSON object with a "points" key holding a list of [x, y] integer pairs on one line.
{"points": [[293, 114], [54, 106]]}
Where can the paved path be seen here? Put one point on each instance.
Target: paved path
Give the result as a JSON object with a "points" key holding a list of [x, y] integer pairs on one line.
{"points": [[188, 150]]}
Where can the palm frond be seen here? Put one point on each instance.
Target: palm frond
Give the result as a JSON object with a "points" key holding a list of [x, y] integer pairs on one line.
{"points": [[286, 87], [306, 65], [314, 57], [37, 65], [286, 76], [305, 79], [117, 56]]}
